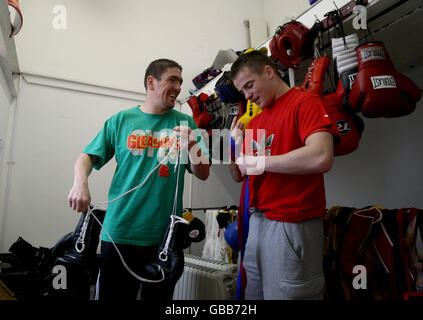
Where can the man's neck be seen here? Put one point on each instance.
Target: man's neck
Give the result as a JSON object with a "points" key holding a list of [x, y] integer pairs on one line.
{"points": [[149, 107], [281, 89]]}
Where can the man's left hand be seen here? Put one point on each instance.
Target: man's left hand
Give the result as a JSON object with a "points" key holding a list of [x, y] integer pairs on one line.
{"points": [[250, 165]]}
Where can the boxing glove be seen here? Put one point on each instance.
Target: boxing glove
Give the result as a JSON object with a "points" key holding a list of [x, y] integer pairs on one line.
{"points": [[199, 113], [349, 126], [196, 230], [314, 80], [251, 111], [379, 90], [343, 52], [38, 260], [77, 253], [343, 88], [231, 236], [226, 90], [170, 256], [169, 265], [345, 65]]}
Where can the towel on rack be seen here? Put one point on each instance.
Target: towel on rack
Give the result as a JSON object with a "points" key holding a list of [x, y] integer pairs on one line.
{"points": [[215, 247]]}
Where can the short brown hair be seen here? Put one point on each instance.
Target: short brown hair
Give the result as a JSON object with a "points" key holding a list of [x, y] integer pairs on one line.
{"points": [[158, 67], [254, 60]]}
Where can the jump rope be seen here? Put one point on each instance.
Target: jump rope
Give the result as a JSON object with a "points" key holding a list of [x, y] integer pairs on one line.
{"points": [[80, 245]]}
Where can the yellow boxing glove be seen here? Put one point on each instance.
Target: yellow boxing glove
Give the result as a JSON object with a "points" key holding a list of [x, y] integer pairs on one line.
{"points": [[262, 49], [252, 110]]}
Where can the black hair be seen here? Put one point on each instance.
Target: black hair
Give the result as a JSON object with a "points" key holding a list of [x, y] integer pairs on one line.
{"points": [[158, 67]]}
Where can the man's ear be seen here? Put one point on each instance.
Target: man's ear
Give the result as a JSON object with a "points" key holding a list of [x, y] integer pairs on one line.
{"points": [[150, 83], [270, 72]]}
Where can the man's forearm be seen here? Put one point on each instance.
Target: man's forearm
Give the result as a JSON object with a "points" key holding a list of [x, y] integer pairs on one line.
{"points": [[300, 161], [235, 173], [79, 196], [83, 167], [315, 157]]}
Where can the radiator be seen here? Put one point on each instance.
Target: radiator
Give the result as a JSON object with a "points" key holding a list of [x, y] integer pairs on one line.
{"points": [[205, 279]]}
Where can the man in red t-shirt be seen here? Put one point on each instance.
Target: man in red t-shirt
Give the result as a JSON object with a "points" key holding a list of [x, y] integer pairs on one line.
{"points": [[286, 149]]}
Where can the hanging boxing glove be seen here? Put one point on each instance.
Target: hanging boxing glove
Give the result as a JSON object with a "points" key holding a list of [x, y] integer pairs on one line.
{"points": [[196, 230], [77, 253], [169, 265], [231, 236], [314, 80], [226, 91], [379, 90], [345, 65], [348, 125], [199, 113], [252, 110], [170, 256], [343, 53], [343, 88]]}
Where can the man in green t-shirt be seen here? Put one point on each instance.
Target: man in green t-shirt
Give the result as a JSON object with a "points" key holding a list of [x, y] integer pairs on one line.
{"points": [[140, 138]]}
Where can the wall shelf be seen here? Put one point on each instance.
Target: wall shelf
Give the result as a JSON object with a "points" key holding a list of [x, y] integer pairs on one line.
{"points": [[401, 19]]}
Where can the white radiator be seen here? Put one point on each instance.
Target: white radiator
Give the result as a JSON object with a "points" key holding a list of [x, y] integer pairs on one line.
{"points": [[205, 279]]}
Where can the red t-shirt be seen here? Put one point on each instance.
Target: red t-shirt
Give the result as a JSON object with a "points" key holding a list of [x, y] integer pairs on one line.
{"points": [[287, 123]]}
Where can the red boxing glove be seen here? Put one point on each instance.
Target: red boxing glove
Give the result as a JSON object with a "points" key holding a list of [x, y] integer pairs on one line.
{"points": [[199, 113], [379, 90], [343, 89], [314, 80], [348, 125]]}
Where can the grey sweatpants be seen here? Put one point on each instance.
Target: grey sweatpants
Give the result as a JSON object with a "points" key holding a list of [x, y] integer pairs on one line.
{"points": [[282, 260]]}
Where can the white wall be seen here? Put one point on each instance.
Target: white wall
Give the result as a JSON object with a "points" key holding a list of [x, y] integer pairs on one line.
{"points": [[385, 170], [52, 127], [110, 43], [5, 103], [278, 12]]}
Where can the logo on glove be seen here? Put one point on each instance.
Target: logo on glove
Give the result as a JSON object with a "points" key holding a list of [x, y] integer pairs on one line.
{"points": [[372, 53], [383, 82]]}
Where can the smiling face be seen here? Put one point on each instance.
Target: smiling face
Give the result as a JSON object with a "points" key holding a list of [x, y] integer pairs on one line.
{"points": [[165, 90], [254, 86]]}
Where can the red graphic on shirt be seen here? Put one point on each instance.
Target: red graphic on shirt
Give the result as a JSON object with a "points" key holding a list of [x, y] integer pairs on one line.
{"points": [[164, 171], [141, 142]]}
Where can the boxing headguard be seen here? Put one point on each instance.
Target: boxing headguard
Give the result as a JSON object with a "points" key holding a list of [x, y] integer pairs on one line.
{"points": [[290, 43]]}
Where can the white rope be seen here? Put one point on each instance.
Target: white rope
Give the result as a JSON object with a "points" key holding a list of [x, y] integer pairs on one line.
{"points": [[121, 257], [163, 253], [97, 206]]}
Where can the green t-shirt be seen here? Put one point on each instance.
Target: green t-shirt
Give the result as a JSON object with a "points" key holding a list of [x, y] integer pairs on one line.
{"points": [[139, 141]]}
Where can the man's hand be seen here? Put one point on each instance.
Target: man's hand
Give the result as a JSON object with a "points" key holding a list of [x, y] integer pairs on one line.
{"points": [[235, 150], [237, 131], [199, 162], [79, 197], [187, 138], [250, 165]]}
